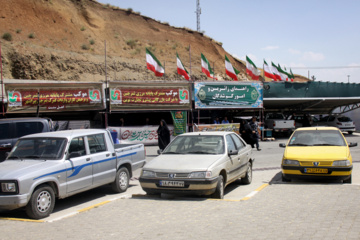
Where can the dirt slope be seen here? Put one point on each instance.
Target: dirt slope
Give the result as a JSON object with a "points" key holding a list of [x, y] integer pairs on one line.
{"points": [[66, 40]]}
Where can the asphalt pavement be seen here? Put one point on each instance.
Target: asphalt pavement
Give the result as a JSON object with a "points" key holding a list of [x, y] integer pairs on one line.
{"points": [[266, 209]]}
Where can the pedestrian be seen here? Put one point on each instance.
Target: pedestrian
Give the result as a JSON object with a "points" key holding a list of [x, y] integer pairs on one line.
{"points": [[245, 131], [217, 121], [306, 121], [225, 120], [122, 122], [163, 135], [254, 134]]}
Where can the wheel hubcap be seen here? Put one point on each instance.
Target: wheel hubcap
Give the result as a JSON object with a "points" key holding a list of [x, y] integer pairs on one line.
{"points": [[43, 201], [123, 179]]}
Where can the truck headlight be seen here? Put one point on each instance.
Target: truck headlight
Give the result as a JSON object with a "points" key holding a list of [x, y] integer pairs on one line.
{"points": [[341, 163], [149, 174], [8, 187], [206, 174], [291, 162]]}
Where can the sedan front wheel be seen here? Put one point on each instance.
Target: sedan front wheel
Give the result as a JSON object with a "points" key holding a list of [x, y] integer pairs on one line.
{"points": [[219, 192]]}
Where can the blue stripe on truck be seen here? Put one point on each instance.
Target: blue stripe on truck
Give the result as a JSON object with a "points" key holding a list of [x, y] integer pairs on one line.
{"points": [[77, 169]]}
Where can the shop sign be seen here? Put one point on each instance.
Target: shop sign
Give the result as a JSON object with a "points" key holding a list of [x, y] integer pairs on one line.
{"points": [[147, 96], [230, 127], [54, 98], [228, 95], [146, 134]]}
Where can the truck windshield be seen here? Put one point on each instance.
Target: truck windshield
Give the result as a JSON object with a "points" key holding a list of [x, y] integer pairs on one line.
{"points": [[38, 148]]}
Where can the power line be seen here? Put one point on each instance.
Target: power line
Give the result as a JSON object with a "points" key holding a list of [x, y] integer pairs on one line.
{"points": [[335, 67]]}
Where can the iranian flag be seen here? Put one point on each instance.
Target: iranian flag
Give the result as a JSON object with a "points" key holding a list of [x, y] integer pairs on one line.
{"points": [[292, 75], [268, 72], [181, 69], [283, 74], [251, 69], [205, 67], [153, 64], [230, 70], [275, 72]]}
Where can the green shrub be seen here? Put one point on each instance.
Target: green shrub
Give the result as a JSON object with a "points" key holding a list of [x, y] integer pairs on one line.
{"points": [[31, 35], [82, 28], [7, 37], [85, 47], [131, 43], [18, 30], [92, 41]]}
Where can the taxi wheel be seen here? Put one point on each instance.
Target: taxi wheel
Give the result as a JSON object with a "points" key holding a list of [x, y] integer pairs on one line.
{"points": [[248, 177], [219, 192], [347, 180], [284, 179]]}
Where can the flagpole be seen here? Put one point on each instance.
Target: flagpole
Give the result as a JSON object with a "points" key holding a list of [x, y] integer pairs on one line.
{"points": [[164, 70], [190, 60], [2, 84]]}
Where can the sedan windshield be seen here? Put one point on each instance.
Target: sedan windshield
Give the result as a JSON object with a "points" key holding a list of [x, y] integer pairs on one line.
{"points": [[317, 138], [201, 144], [38, 148]]}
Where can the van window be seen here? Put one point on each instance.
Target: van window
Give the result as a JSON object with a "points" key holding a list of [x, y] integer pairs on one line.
{"points": [[26, 128], [5, 131]]}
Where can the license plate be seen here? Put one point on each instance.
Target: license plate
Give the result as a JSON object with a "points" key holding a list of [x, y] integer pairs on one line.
{"points": [[316, 170], [171, 184]]}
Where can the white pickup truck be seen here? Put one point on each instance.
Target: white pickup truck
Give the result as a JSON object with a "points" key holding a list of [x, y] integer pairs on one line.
{"points": [[45, 166], [278, 123]]}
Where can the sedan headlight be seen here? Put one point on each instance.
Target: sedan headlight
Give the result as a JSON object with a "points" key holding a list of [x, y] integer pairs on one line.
{"points": [[341, 163], [291, 162], [206, 174], [148, 174], [8, 187]]}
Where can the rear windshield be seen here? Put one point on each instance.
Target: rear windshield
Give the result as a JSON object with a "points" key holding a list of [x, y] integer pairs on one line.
{"points": [[26, 128], [5, 131], [344, 119]]}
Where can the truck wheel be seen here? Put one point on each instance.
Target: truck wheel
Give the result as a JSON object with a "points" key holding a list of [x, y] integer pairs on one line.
{"points": [[248, 177], [41, 203], [121, 182], [219, 192]]}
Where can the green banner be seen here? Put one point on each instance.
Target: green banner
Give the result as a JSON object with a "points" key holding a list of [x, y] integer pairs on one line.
{"points": [[228, 95], [180, 122]]}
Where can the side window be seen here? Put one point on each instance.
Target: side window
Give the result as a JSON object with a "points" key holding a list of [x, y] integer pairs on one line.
{"points": [[96, 143], [230, 143], [26, 128], [77, 145], [238, 143]]}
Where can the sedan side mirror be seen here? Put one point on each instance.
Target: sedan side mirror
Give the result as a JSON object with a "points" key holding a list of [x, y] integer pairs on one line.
{"points": [[233, 152], [282, 145], [159, 151], [353, 144]]}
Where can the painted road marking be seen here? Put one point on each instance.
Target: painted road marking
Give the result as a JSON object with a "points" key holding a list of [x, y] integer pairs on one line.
{"points": [[250, 195]]}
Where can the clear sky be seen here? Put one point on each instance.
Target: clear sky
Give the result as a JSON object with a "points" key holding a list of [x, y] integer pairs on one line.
{"points": [[318, 38]]}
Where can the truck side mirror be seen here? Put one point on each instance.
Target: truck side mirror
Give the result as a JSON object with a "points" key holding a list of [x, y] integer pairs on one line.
{"points": [[74, 155]]}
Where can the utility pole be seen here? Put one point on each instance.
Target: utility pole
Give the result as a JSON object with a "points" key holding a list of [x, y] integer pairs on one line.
{"points": [[198, 12]]}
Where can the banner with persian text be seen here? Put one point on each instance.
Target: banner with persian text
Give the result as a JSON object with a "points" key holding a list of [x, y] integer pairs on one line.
{"points": [[58, 97], [230, 127], [145, 134], [228, 95], [180, 122], [150, 96]]}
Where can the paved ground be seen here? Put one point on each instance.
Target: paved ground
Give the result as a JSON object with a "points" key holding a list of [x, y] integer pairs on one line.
{"points": [[272, 210]]}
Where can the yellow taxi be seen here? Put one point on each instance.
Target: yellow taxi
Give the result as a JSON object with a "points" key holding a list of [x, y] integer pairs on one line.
{"points": [[313, 152]]}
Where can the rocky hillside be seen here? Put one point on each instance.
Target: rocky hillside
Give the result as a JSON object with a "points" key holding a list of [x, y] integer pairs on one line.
{"points": [[83, 40]]}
